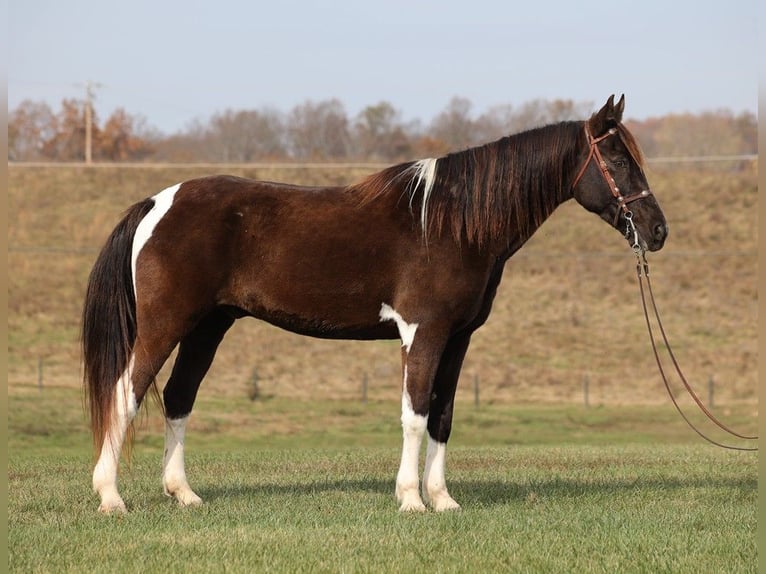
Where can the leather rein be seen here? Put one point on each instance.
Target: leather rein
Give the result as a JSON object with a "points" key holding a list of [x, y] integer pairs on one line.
{"points": [[642, 271]]}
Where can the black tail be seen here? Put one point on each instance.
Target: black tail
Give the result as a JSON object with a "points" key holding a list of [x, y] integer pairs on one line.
{"points": [[109, 320]]}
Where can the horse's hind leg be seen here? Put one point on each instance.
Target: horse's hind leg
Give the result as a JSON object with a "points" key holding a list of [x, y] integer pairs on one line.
{"points": [[146, 360], [195, 354]]}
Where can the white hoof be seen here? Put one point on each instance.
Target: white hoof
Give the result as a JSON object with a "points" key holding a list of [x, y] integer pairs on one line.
{"points": [[184, 495], [409, 501], [187, 498], [112, 504], [412, 506], [444, 502]]}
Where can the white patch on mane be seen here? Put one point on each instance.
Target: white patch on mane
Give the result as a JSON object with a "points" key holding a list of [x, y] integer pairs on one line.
{"points": [[406, 330], [425, 173], [162, 202]]}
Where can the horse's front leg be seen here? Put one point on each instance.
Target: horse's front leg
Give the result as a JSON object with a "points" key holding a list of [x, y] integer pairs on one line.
{"points": [[440, 424], [421, 349], [413, 429]]}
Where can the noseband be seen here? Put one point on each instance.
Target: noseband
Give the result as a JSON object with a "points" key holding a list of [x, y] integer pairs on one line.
{"points": [[595, 154]]}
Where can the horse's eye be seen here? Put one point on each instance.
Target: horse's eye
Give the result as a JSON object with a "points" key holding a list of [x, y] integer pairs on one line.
{"points": [[621, 163]]}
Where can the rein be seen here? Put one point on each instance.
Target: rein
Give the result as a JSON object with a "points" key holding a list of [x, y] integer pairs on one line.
{"points": [[642, 271]]}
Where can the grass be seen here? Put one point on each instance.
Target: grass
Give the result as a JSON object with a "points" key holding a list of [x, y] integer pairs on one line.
{"points": [[563, 509], [308, 487]]}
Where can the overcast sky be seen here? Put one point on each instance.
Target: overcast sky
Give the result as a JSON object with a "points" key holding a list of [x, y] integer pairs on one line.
{"points": [[174, 61]]}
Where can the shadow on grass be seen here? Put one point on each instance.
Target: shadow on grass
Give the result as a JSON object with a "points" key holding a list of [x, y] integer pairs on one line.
{"points": [[478, 493]]}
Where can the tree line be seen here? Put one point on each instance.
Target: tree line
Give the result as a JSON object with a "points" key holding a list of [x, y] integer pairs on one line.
{"points": [[324, 131]]}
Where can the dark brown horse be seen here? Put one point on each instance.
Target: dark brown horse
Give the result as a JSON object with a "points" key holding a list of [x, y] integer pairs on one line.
{"points": [[414, 252]]}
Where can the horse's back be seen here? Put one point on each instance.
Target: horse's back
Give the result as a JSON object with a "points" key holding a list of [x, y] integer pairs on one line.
{"points": [[292, 255]]}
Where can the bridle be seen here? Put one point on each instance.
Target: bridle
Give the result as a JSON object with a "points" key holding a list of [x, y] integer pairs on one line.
{"points": [[595, 154], [642, 270]]}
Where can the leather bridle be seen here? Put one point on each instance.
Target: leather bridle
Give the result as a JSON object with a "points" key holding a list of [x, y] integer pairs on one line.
{"points": [[595, 154]]}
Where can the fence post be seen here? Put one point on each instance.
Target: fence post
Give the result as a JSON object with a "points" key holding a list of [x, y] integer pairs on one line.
{"points": [[586, 389], [40, 373], [254, 392], [476, 391]]}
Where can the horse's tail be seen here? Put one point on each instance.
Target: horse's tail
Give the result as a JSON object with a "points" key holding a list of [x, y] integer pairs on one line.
{"points": [[109, 320]]}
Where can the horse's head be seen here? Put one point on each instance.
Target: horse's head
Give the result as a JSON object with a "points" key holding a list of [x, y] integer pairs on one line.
{"points": [[611, 181]]}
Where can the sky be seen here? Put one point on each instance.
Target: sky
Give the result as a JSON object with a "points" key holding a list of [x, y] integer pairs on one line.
{"points": [[175, 62]]}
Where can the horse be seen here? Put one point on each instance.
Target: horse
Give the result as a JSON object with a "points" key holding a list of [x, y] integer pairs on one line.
{"points": [[414, 252]]}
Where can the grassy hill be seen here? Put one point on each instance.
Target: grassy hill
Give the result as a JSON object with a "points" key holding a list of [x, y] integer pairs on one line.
{"points": [[567, 310]]}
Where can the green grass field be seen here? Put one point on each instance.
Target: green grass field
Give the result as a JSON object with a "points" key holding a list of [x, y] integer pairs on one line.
{"points": [[297, 487]]}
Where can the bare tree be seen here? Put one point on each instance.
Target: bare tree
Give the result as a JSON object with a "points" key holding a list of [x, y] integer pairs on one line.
{"points": [[454, 125], [498, 121], [247, 135], [379, 134], [319, 130], [537, 113], [29, 125]]}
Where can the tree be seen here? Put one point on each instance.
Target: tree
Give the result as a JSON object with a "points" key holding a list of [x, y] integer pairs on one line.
{"points": [[537, 113], [124, 137], [68, 141], [247, 135], [29, 125], [318, 130], [380, 135], [454, 125], [709, 133], [498, 121]]}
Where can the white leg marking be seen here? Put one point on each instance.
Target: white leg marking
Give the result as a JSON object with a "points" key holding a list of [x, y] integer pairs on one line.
{"points": [[105, 472], [406, 330], [434, 483], [413, 427], [425, 172], [174, 474], [162, 202]]}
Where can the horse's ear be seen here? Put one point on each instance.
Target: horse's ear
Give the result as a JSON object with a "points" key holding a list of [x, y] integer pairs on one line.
{"points": [[619, 108], [607, 117]]}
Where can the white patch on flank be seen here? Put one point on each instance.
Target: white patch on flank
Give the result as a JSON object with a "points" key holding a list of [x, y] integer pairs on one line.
{"points": [[425, 173], [434, 482], [162, 202], [173, 472], [105, 472], [413, 427], [406, 330]]}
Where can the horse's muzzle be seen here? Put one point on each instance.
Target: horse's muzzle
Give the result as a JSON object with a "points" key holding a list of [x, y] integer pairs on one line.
{"points": [[658, 237]]}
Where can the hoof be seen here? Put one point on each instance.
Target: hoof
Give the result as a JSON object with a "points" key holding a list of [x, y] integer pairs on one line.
{"points": [[185, 496], [445, 503], [410, 502], [412, 507], [189, 499], [112, 507]]}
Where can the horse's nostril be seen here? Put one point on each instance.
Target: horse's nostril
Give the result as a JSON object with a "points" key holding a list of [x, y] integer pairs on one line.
{"points": [[660, 231]]}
